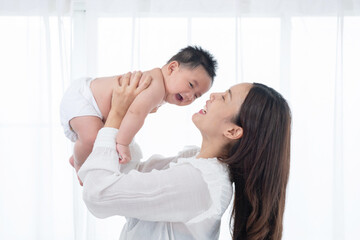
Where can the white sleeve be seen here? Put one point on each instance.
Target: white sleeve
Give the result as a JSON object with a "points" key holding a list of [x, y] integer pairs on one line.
{"points": [[176, 194], [159, 162]]}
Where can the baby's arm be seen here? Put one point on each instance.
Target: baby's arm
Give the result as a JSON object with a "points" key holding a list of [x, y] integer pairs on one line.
{"points": [[143, 104]]}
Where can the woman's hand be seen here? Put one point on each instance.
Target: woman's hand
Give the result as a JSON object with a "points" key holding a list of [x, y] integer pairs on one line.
{"points": [[124, 92]]}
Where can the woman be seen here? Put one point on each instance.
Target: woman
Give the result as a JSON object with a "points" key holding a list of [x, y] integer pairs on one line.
{"points": [[246, 141]]}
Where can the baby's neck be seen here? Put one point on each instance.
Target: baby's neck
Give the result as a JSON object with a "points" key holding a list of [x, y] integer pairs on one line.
{"points": [[165, 78], [166, 82]]}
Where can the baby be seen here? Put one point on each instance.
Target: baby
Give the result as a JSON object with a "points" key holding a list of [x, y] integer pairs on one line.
{"points": [[86, 104]]}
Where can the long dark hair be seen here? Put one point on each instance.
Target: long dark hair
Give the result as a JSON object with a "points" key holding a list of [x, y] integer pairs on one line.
{"points": [[259, 165]]}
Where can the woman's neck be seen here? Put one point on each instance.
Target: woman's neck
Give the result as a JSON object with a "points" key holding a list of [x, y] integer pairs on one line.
{"points": [[211, 149]]}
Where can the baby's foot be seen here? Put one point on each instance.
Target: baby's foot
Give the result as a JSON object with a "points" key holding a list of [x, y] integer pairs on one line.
{"points": [[71, 161]]}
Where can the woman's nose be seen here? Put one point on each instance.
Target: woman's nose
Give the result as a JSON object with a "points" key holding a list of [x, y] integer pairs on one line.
{"points": [[213, 96]]}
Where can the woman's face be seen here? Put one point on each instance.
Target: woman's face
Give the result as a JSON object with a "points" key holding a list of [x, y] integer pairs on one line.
{"points": [[220, 110]]}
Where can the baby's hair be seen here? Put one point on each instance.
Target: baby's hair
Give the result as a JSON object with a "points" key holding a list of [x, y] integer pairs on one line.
{"points": [[192, 57]]}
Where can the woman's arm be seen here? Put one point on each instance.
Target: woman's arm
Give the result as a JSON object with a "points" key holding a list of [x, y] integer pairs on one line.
{"points": [[175, 194], [134, 119], [144, 103]]}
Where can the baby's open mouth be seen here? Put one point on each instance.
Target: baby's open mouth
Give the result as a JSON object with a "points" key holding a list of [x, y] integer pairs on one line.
{"points": [[179, 97]]}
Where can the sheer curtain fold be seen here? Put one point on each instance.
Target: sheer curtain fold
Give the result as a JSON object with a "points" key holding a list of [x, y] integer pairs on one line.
{"points": [[34, 48]]}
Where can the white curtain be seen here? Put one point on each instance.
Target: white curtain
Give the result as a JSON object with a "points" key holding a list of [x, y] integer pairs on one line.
{"points": [[307, 50], [36, 186]]}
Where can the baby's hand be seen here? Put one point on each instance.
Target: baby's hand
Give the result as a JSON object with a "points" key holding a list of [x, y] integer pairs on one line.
{"points": [[124, 153]]}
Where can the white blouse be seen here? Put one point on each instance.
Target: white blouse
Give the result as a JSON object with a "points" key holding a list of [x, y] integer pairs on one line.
{"points": [[178, 197]]}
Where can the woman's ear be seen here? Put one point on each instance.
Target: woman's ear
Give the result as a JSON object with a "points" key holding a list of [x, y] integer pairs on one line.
{"points": [[233, 132], [172, 66]]}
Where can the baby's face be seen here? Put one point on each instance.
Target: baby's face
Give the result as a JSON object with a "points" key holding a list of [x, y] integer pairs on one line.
{"points": [[185, 85]]}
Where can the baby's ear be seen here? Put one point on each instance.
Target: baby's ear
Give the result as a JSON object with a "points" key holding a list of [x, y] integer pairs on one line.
{"points": [[172, 66]]}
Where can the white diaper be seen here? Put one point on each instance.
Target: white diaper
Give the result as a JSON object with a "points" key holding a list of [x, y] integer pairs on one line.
{"points": [[77, 101]]}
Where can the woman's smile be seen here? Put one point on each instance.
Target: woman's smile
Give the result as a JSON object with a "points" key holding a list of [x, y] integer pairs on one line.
{"points": [[202, 111], [205, 109]]}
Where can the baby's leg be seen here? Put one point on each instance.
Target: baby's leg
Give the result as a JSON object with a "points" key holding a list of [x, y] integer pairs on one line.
{"points": [[86, 127]]}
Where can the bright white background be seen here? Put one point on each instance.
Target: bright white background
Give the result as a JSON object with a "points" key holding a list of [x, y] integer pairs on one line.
{"points": [[307, 50]]}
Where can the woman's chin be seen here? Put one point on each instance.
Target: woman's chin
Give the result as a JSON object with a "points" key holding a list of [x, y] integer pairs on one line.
{"points": [[196, 119]]}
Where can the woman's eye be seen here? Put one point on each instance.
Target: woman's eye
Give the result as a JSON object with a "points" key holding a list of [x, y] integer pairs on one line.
{"points": [[191, 85], [223, 97]]}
